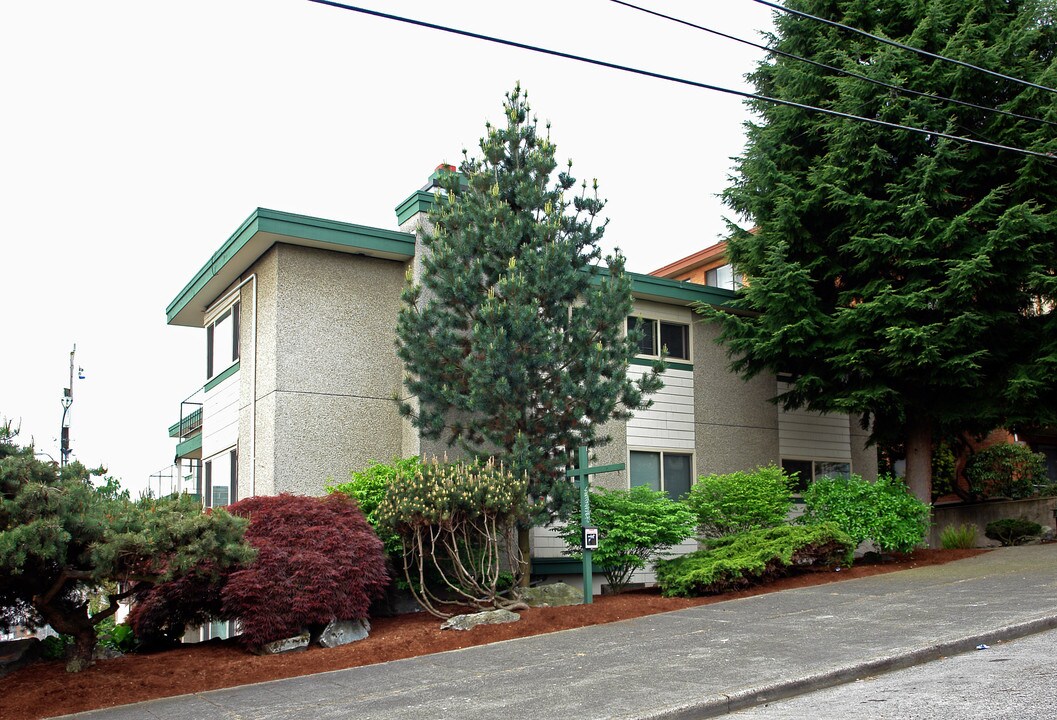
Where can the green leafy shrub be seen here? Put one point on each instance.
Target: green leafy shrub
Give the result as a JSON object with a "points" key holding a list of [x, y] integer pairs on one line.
{"points": [[456, 522], [944, 470], [883, 511], [753, 557], [1008, 470], [635, 527], [736, 502], [118, 637], [955, 537], [54, 647], [1012, 531], [368, 488]]}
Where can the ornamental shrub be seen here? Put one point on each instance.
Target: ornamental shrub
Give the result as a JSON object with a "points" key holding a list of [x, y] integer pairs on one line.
{"points": [[740, 501], [883, 511], [455, 522], [958, 537], [1012, 531], [317, 560], [752, 558], [1008, 470], [635, 527], [368, 488]]}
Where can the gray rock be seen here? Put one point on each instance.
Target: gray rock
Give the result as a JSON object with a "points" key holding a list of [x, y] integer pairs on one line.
{"points": [[343, 632], [290, 644], [553, 595], [489, 617]]}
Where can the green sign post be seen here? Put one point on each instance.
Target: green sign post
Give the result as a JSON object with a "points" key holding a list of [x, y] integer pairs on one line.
{"points": [[582, 473]]}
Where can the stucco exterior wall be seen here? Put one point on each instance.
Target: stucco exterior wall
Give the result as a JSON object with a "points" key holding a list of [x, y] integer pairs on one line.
{"points": [[736, 425], [327, 369]]}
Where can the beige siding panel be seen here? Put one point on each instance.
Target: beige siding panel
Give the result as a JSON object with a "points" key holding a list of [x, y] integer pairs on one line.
{"points": [[220, 416], [815, 436], [546, 543], [669, 422]]}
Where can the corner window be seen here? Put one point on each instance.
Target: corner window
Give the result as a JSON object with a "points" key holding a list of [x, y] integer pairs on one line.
{"points": [[724, 277], [805, 472], [662, 470], [661, 334], [222, 341]]}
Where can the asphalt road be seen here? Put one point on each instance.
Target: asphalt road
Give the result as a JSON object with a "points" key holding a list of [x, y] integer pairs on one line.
{"points": [[1015, 680]]}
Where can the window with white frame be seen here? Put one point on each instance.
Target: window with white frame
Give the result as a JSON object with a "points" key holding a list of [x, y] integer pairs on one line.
{"points": [[222, 341], [673, 337], [724, 277], [805, 472], [665, 470], [221, 479]]}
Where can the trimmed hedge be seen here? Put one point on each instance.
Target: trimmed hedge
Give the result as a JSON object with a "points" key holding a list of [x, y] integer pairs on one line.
{"points": [[740, 501], [752, 558]]}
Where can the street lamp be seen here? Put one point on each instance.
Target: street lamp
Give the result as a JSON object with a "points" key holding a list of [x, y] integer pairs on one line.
{"points": [[67, 401]]}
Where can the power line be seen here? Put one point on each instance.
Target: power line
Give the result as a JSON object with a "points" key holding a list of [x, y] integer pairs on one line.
{"points": [[900, 45], [681, 81], [831, 68]]}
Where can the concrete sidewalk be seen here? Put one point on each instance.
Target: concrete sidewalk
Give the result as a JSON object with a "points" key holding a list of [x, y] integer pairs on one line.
{"points": [[701, 662]]}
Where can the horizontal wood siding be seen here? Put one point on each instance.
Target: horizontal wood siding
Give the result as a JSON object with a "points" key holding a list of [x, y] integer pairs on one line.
{"points": [[220, 417], [669, 423], [813, 436]]}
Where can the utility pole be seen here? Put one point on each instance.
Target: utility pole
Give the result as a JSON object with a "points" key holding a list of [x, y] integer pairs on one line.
{"points": [[67, 401]]}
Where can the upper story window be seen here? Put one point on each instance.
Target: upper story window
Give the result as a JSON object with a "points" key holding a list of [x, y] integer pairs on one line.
{"points": [[657, 334], [222, 341], [724, 277]]}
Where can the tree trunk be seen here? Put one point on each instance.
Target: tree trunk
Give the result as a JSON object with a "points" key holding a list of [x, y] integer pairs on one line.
{"points": [[919, 458], [68, 619], [525, 559]]}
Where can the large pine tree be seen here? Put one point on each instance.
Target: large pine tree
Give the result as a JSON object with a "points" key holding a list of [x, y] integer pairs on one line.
{"points": [[907, 278], [514, 340]]}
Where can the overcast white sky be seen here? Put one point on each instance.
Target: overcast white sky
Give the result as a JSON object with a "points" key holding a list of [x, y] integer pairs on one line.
{"points": [[136, 136]]}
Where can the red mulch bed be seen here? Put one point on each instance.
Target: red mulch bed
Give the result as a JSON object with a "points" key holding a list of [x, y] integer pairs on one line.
{"points": [[45, 689]]}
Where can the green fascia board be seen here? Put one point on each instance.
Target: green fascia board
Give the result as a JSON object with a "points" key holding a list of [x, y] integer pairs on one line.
{"points": [[419, 201], [560, 566], [217, 379], [188, 446], [670, 364], [299, 230], [679, 291]]}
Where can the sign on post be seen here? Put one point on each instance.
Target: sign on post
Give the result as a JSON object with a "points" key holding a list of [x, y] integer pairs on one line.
{"points": [[582, 473]]}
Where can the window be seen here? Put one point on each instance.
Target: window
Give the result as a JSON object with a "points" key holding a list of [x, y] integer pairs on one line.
{"points": [[724, 277], [222, 341], [656, 334], [221, 479], [805, 472], [662, 470]]}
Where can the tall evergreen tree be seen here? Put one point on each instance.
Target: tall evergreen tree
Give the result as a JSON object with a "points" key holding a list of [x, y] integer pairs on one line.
{"points": [[514, 340], [907, 278]]}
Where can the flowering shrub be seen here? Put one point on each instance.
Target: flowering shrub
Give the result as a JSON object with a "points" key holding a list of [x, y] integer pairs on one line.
{"points": [[456, 521]]}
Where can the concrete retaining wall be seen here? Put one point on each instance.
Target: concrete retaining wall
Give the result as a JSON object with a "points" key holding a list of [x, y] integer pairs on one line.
{"points": [[1038, 510]]}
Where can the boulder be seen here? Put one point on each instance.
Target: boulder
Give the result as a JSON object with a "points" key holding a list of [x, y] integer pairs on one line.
{"points": [[553, 595], [489, 617], [343, 632], [290, 644]]}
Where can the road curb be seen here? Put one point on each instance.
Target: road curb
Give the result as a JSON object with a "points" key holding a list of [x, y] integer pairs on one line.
{"points": [[755, 696]]}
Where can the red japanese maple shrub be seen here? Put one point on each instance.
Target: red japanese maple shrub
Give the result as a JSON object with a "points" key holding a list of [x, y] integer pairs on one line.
{"points": [[161, 613], [317, 560]]}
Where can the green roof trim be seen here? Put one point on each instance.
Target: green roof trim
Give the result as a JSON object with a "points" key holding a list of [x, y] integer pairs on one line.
{"points": [[188, 446], [298, 229], [683, 292], [419, 201], [217, 379], [671, 364]]}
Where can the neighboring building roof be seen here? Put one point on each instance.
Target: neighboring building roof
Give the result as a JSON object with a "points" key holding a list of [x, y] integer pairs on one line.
{"points": [[264, 228], [706, 259]]}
